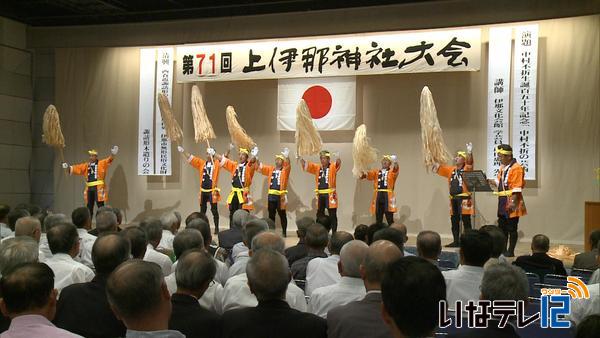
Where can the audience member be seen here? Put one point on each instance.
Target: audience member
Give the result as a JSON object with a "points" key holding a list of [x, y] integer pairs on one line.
{"points": [[29, 300], [360, 232], [194, 273], [170, 224], [192, 216], [252, 228], [106, 222], [237, 294], [29, 226], [373, 228], [587, 260], [463, 283], [582, 308], [50, 221], [316, 240], [137, 240], [404, 230], [108, 252], [222, 270], [5, 230], [325, 221], [498, 244], [390, 234], [363, 318], [323, 271], [153, 229], [16, 251], [138, 295], [64, 244], [268, 279], [349, 288], [230, 237], [429, 246], [412, 289], [298, 251], [539, 259], [83, 221], [12, 217], [589, 327]]}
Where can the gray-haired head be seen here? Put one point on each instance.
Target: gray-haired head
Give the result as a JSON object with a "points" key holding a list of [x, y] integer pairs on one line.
{"points": [[351, 256], [268, 275], [268, 240], [54, 219], [302, 224], [28, 226], [195, 270], [16, 251], [168, 220], [379, 255], [502, 281], [239, 218], [153, 229], [106, 221], [187, 239], [253, 228]]}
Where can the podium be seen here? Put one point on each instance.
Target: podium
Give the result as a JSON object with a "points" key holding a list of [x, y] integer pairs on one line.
{"points": [[592, 221], [476, 182]]}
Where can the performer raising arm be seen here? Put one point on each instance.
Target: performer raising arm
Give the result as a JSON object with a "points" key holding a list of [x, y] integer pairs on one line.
{"points": [[325, 176], [461, 204], [95, 172], [511, 206], [278, 180], [209, 177], [384, 180], [242, 173]]}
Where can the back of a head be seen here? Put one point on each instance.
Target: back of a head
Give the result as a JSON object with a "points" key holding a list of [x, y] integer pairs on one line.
{"points": [[400, 227], [168, 220], [14, 215], [187, 239], [540, 243], [268, 275], [62, 238], [27, 287], [54, 219], [390, 234], [4, 210], [26, 226], [108, 252], [270, 222], [194, 215], [317, 236], [16, 251], [80, 217], [153, 229], [360, 232], [373, 228], [195, 269], [338, 240], [302, 224], [429, 244], [588, 327], [325, 221], [595, 239], [351, 257], [503, 281], [379, 255], [253, 228], [137, 240], [134, 289], [239, 219], [498, 239], [475, 247], [106, 221], [412, 289], [268, 240], [202, 226]]}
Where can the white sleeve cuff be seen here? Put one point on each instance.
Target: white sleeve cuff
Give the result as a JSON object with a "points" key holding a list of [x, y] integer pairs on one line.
{"points": [[189, 159], [223, 160]]}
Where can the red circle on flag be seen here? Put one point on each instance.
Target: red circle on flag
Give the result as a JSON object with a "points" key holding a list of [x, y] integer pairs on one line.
{"points": [[318, 99]]}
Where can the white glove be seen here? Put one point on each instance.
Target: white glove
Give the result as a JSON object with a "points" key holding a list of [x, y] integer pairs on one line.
{"points": [[210, 151], [285, 152], [394, 158], [231, 146], [180, 149], [469, 147], [435, 167], [114, 150], [254, 151], [64, 165]]}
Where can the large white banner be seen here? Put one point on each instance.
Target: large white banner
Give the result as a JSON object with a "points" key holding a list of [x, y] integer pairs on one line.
{"points": [[164, 84], [146, 112], [524, 98], [335, 55], [498, 94], [331, 101]]}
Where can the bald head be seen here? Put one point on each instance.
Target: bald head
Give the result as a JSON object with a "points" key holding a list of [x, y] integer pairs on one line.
{"points": [[429, 245], [268, 240], [379, 255], [28, 226], [351, 257], [109, 251], [338, 240]]}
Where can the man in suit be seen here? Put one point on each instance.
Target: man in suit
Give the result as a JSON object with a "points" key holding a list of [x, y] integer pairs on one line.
{"points": [[299, 250], [194, 272], [90, 298], [540, 244], [232, 236], [268, 279], [316, 242], [429, 246], [587, 260], [363, 318]]}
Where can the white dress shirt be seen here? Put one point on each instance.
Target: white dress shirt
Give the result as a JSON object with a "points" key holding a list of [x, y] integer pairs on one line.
{"points": [[222, 272], [581, 308], [322, 272], [166, 242], [236, 294], [5, 231], [239, 250], [239, 267], [463, 284], [85, 248], [347, 290], [210, 300], [44, 249], [68, 271], [595, 279], [159, 258]]}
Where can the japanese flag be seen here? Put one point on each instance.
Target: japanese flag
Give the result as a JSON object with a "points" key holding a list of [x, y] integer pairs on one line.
{"points": [[331, 101]]}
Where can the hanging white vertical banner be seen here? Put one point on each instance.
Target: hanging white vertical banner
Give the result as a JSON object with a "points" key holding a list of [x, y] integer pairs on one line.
{"points": [[498, 94], [164, 84], [146, 112], [524, 98]]}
